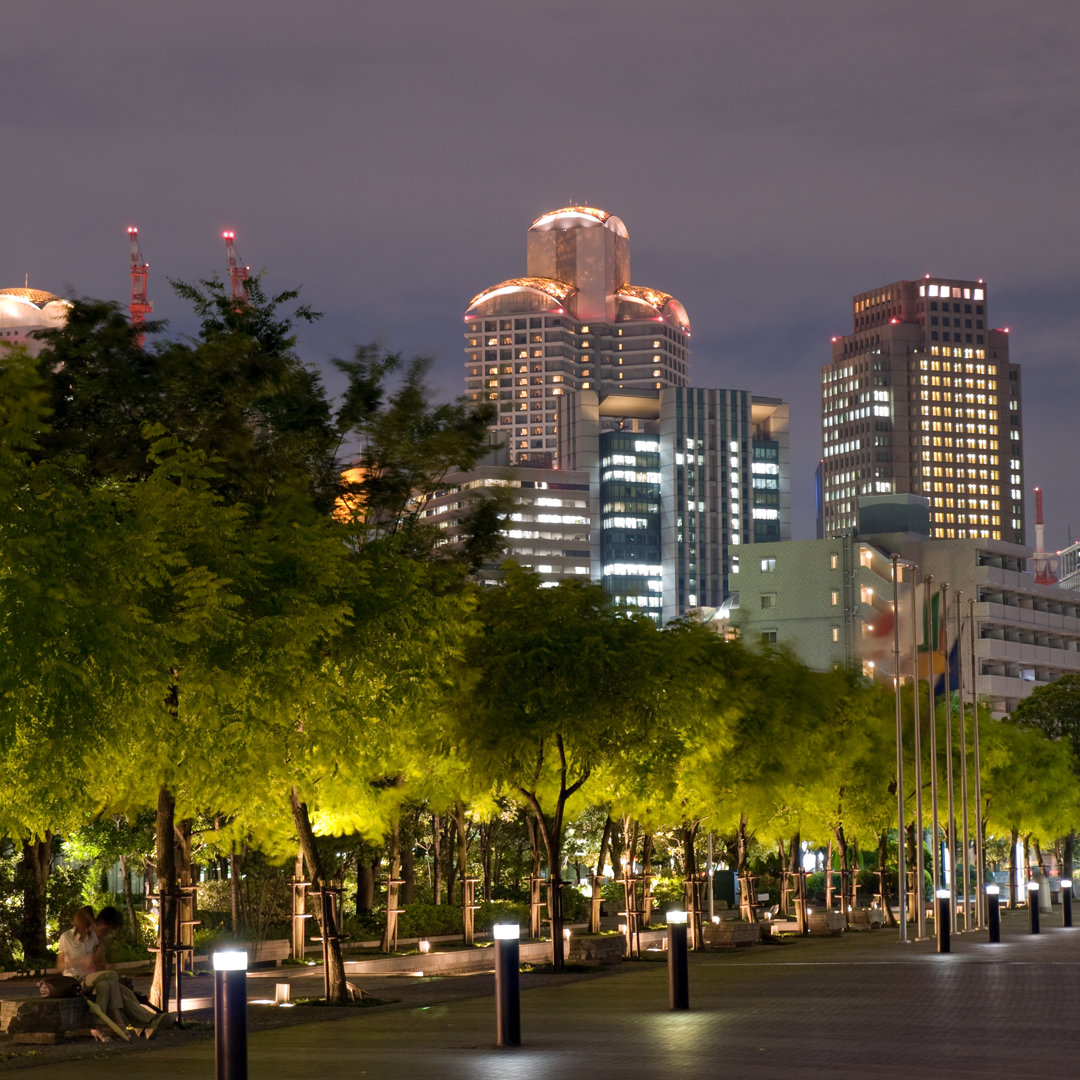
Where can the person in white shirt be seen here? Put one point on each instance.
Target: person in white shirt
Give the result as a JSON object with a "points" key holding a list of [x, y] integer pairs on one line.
{"points": [[81, 955]]}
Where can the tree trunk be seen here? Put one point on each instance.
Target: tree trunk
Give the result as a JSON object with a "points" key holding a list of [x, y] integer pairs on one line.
{"points": [[129, 898], [408, 867], [488, 833], [829, 875], [436, 858], [165, 842], [646, 878], [32, 877], [1067, 860], [339, 990], [236, 908], [598, 879], [365, 884], [883, 854], [393, 884], [535, 922]]}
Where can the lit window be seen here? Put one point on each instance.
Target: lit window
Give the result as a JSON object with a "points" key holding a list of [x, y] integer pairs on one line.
{"points": [[768, 565]]}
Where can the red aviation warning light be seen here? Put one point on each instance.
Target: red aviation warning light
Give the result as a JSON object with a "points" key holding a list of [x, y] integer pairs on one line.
{"points": [[139, 307], [238, 274]]}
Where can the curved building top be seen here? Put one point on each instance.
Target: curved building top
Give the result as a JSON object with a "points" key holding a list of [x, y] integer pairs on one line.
{"points": [[575, 217]]}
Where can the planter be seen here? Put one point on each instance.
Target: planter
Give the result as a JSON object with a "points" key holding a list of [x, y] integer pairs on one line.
{"points": [[730, 933], [827, 923], [600, 949]]}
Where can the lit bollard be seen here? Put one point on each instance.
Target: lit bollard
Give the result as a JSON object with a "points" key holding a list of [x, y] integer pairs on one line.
{"points": [[993, 914], [230, 1015], [677, 960], [1033, 905], [942, 920], [507, 984], [1066, 902]]}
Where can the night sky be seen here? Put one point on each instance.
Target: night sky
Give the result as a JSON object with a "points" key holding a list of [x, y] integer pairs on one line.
{"points": [[770, 159]]}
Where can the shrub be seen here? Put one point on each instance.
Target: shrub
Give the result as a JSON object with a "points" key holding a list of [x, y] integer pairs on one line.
{"points": [[501, 911], [429, 920]]}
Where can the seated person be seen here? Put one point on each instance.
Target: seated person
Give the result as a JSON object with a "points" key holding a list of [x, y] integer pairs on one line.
{"points": [[81, 955], [143, 1016]]}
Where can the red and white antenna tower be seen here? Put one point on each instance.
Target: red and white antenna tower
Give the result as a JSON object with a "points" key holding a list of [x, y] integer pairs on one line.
{"points": [[238, 274], [139, 307], [1044, 564]]}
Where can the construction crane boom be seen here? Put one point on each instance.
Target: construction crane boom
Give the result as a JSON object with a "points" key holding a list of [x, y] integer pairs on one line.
{"points": [[140, 306], [238, 273]]}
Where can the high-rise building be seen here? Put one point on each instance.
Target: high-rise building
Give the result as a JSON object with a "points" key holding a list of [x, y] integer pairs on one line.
{"points": [[678, 476], [921, 399], [574, 322]]}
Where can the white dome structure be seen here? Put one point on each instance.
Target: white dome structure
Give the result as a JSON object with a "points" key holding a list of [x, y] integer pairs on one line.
{"points": [[24, 311]]}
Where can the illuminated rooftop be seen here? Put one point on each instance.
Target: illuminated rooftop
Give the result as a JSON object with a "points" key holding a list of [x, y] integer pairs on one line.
{"points": [[37, 297], [557, 290], [580, 215], [657, 300]]}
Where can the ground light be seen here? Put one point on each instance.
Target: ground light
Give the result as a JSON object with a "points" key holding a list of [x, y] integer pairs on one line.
{"points": [[941, 920], [993, 913], [507, 984], [230, 1014], [678, 962], [1033, 905]]}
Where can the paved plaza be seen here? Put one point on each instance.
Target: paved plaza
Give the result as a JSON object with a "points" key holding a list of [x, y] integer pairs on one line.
{"points": [[863, 1005]]}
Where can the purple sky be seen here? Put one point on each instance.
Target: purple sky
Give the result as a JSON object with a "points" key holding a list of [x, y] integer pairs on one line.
{"points": [[769, 161]]}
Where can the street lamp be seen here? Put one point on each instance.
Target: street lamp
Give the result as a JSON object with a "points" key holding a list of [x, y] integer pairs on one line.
{"points": [[507, 984], [678, 963]]}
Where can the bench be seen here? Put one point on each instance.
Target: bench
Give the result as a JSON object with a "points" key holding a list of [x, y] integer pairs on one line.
{"points": [[41, 1014], [728, 934], [266, 952]]}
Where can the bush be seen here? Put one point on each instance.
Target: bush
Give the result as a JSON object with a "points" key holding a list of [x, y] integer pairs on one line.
{"points": [[508, 911], [429, 920]]}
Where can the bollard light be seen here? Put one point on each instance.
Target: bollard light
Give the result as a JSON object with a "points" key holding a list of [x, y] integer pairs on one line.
{"points": [[993, 913], [678, 961], [507, 984], [942, 921], [566, 933], [282, 993], [1066, 902], [230, 1014], [425, 946], [1033, 905]]}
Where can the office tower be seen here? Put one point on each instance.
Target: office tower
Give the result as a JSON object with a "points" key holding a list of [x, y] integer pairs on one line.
{"points": [[681, 476], [573, 322], [921, 399]]}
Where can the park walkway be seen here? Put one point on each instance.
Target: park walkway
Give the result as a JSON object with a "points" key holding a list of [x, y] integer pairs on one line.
{"points": [[857, 1006]]}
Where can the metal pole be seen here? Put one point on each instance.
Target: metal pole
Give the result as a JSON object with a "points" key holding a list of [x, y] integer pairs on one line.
{"points": [[965, 839], [712, 898], [507, 984], [1066, 902], [979, 854], [932, 629], [230, 1015], [678, 962], [951, 823], [917, 878], [1033, 905], [901, 869]]}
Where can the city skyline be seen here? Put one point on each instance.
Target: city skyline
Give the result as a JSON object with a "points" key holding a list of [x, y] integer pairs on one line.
{"points": [[770, 163]]}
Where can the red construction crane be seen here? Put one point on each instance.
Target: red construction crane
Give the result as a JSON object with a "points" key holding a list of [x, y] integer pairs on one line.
{"points": [[139, 307], [1044, 565], [238, 274]]}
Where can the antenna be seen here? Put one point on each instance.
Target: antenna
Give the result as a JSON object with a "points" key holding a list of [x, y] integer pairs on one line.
{"points": [[238, 274]]}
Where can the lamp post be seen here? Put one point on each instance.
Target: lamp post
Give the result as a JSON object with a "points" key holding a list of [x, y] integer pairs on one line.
{"points": [[1033, 905], [1066, 902], [901, 869], [507, 984], [993, 913], [230, 1015], [678, 963]]}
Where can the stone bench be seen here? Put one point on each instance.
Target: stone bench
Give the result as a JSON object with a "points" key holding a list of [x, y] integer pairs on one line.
{"points": [[729, 933], [44, 1015], [272, 951], [605, 949]]}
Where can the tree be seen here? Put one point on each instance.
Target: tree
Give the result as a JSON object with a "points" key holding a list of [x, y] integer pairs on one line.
{"points": [[557, 680]]}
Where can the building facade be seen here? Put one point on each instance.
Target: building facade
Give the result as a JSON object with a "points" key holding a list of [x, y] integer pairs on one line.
{"points": [[680, 475], [24, 312], [831, 602], [573, 322], [922, 398]]}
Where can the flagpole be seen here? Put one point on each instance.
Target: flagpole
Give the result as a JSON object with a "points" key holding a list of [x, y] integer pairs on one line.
{"points": [[901, 870], [978, 784], [917, 880], [951, 830], [931, 649], [963, 762]]}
